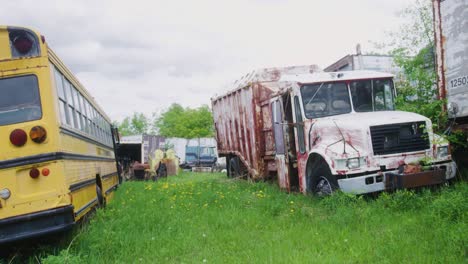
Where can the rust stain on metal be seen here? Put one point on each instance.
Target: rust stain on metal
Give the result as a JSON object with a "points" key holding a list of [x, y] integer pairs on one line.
{"points": [[439, 42]]}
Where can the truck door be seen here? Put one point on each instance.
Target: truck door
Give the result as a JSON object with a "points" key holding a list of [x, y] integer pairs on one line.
{"points": [[301, 154], [281, 160]]}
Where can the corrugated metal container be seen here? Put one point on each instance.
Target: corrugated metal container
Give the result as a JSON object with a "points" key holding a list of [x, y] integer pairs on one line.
{"points": [[242, 125], [243, 119], [451, 41]]}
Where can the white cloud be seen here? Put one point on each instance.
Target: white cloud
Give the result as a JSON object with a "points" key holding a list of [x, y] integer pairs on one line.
{"points": [[144, 55]]}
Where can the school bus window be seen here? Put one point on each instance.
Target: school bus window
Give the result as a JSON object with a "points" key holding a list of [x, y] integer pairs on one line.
{"points": [[68, 96], [88, 126], [59, 84], [73, 106], [95, 130], [89, 110], [61, 95], [91, 127], [74, 99], [63, 116], [79, 109], [83, 105], [19, 100], [71, 115], [80, 119]]}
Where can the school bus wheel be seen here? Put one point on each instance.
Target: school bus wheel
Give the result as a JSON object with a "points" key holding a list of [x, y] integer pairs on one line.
{"points": [[100, 198]]}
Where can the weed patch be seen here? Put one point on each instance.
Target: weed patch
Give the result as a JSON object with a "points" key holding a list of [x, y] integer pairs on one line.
{"points": [[206, 218]]}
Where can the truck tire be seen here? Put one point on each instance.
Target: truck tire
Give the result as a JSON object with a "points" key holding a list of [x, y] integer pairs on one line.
{"points": [[234, 168], [320, 181], [162, 172]]}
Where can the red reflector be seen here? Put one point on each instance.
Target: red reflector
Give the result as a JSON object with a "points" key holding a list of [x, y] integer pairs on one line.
{"points": [[34, 173], [45, 172], [22, 44], [18, 137]]}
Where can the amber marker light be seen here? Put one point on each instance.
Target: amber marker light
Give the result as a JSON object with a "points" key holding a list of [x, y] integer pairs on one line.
{"points": [[38, 134], [45, 172], [18, 137]]}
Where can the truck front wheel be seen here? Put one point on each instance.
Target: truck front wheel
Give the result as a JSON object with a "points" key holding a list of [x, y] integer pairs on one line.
{"points": [[321, 181]]}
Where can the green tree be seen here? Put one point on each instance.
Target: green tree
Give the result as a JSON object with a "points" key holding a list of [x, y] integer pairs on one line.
{"points": [[181, 122], [137, 124], [412, 46]]}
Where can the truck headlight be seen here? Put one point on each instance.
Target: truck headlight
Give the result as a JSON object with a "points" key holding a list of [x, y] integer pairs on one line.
{"points": [[353, 163], [442, 152]]}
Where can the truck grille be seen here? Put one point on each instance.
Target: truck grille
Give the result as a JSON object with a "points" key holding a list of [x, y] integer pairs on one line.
{"points": [[399, 138]]}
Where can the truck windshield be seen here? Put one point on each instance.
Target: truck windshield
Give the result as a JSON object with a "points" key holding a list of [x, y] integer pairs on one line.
{"points": [[19, 100], [372, 95], [325, 99]]}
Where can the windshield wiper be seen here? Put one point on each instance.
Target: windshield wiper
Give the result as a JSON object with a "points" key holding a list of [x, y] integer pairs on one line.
{"points": [[313, 96]]}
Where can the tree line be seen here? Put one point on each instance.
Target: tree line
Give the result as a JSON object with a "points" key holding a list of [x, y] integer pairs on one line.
{"points": [[175, 121]]}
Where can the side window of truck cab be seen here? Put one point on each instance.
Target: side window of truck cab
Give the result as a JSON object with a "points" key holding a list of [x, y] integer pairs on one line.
{"points": [[299, 124]]}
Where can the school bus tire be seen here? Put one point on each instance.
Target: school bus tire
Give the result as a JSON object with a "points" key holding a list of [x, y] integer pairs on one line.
{"points": [[100, 198]]}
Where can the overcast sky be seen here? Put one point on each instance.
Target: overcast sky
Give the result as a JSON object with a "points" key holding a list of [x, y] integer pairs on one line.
{"points": [[143, 55]]}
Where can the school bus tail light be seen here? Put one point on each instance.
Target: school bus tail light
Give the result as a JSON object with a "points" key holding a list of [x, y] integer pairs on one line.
{"points": [[34, 173], [18, 137], [38, 134]]}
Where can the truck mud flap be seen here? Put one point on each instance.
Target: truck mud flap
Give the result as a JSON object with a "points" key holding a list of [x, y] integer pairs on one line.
{"points": [[425, 178]]}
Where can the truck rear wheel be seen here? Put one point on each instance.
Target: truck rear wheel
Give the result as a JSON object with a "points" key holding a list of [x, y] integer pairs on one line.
{"points": [[320, 181], [162, 171], [234, 168]]}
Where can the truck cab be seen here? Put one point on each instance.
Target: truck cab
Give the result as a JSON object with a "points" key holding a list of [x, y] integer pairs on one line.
{"points": [[350, 137]]}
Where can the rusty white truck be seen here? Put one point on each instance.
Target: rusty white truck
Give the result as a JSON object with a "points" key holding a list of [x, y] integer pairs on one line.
{"points": [[317, 132]]}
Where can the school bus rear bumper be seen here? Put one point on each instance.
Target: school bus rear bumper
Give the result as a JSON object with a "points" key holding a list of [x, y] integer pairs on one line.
{"points": [[36, 224]]}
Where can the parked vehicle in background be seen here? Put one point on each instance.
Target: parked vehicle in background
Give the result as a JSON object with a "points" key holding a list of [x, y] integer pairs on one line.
{"points": [[196, 156], [146, 156], [319, 131], [57, 157]]}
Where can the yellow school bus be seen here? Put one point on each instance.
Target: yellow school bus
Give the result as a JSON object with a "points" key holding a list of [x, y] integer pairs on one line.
{"points": [[56, 144]]}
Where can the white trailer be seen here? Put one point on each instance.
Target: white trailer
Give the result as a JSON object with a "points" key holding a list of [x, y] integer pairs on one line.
{"points": [[451, 42]]}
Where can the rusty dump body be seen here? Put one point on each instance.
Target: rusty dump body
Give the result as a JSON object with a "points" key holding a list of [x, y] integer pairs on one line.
{"points": [[317, 131], [451, 43]]}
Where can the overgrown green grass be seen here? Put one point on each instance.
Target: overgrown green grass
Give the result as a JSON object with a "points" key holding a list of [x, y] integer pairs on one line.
{"points": [[197, 218]]}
